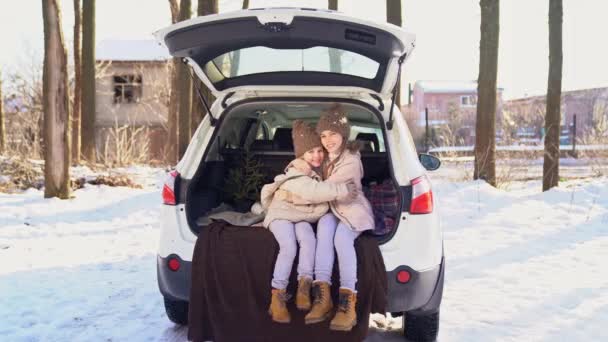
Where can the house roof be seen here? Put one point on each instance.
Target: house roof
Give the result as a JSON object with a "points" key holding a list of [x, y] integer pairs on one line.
{"points": [[130, 50], [449, 86], [589, 93]]}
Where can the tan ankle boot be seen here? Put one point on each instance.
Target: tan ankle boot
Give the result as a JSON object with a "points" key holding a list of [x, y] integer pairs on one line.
{"points": [[346, 316], [278, 306], [322, 303], [303, 294]]}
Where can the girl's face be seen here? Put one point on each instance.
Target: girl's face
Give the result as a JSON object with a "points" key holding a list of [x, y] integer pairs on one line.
{"points": [[332, 141], [314, 156]]}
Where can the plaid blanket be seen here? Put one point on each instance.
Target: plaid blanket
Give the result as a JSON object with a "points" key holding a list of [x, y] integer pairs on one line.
{"points": [[385, 202]]}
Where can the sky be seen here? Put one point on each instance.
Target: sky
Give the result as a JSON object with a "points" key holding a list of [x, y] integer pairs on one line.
{"points": [[447, 36]]}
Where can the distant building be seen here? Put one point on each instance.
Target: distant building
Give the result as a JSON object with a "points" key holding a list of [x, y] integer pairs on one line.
{"points": [[132, 87], [589, 105], [449, 103]]}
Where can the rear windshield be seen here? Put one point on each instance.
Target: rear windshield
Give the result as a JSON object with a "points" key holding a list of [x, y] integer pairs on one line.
{"points": [[260, 59]]}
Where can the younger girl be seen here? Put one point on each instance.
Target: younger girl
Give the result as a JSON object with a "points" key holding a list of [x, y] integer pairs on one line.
{"points": [[349, 218], [290, 222]]}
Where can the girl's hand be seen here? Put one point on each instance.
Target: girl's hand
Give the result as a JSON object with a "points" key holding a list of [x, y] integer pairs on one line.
{"points": [[353, 191]]}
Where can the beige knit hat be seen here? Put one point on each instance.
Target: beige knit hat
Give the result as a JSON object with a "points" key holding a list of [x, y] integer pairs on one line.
{"points": [[334, 119], [304, 138]]}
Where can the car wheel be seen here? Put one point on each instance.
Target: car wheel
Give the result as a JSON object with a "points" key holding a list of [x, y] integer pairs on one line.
{"points": [[421, 328], [177, 311]]}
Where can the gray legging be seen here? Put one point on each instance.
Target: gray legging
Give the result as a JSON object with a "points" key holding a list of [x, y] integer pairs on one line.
{"points": [[315, 252], [287, 233], [344, 242]]}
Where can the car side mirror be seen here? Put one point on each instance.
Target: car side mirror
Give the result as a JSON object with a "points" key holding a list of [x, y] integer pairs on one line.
{"points": [[429, 162]]}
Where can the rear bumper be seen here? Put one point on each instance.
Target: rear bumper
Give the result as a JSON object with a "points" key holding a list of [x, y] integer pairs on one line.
{"points": [[174, 284], [422, 293]]}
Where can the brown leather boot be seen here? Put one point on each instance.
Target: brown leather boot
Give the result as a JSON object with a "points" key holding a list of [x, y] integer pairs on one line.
{"points": [[346, 316], [303, 294], [278, 306], [322, 303]]}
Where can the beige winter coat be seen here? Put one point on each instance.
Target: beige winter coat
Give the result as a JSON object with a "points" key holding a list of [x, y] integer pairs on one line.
{"points": [[306, 188], [358, 212]]}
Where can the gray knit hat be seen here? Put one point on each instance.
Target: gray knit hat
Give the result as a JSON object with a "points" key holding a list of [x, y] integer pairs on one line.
{"points": [[304, 138], [334, 119]]}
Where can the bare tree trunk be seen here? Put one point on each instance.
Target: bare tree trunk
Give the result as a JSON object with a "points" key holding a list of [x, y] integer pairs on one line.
{"points": [[184, 92], [174, 11], [76, 129], [205, 7], [393, 16], [173, 99], [88, 81], [335, 56], [236, 55], [56, 105], [485, 144], [2, 119], [554, 93]]}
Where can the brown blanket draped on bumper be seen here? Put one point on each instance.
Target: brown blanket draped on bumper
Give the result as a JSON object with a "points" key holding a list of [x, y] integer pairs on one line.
{"points": [[231, 272]]}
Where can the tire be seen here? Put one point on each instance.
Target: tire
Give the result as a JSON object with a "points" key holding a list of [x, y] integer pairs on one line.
{"points": [[421, 328], [177, 311]]}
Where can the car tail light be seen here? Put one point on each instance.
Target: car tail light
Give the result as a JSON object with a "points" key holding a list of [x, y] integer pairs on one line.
{"points": [[403, 276], [173, 264], [169, 188], [422, 196]]}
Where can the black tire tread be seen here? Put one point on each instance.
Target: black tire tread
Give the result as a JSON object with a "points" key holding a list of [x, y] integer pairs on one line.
{"points": [[177, 311], [421, 328]]}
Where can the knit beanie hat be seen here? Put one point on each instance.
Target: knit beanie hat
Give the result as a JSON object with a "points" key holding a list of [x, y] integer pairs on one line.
{"points": [[334, 119], [304, 138]]}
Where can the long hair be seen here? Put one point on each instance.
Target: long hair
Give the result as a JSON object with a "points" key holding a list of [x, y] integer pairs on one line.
{"points": [[352, 146]]}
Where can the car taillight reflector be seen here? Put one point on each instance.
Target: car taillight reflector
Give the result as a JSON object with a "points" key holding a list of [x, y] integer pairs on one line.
{"points": [[173, 264], [169, 188], [403, 277], [422, 196]]}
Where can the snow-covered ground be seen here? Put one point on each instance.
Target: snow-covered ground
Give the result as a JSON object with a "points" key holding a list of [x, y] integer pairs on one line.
{"points": [[521, 265]]}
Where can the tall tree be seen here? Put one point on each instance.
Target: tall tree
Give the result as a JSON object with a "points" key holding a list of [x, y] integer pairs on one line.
{"points": [[485, 144], [554, 93], [2, 119], [76, 128], [235, 57], [335, 56], [173, 99], [56, 105], [88, 81], [184, 91], [393, 16], [205, 7]]}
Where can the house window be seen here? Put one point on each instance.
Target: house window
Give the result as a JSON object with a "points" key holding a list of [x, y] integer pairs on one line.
{"points": [[127, 88], [468, 101]]}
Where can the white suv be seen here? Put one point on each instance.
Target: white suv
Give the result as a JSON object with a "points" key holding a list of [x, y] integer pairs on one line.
{"points": [[266, 68]]}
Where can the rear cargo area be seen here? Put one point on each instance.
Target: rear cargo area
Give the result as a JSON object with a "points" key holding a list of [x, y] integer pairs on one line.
{"points": [[252, 144]]}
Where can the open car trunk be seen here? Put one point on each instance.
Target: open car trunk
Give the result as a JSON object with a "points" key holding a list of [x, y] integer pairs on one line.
{"points": [[253, 140], [289, 47]]}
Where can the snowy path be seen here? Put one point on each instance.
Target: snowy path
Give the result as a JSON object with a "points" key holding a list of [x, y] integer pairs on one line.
{"points": [[521, 265]]}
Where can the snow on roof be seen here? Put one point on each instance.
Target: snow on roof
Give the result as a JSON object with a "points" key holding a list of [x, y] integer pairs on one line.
{"points": [[449, 86], [130, 50]]}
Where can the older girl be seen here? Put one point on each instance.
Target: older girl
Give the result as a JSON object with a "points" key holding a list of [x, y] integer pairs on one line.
{"points": [[348, 218]]}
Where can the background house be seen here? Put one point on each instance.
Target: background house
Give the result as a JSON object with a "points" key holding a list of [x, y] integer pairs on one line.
{"points": [[452, 110], [132, 87], [589, 105]]}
